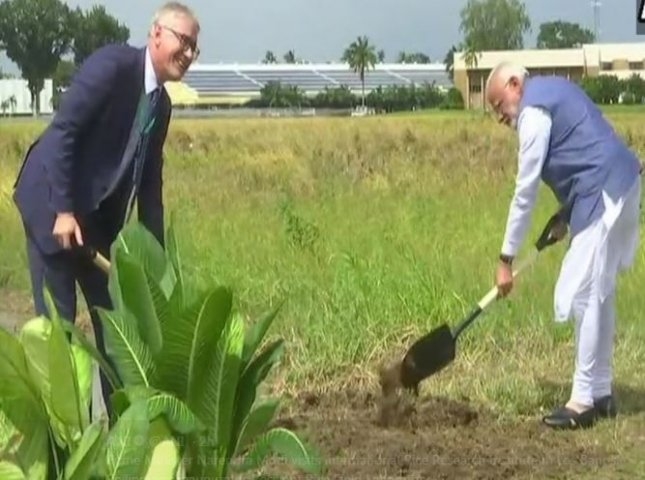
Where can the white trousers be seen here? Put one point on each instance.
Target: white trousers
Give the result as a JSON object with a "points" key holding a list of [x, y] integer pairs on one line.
{"points": [[586, 290]]}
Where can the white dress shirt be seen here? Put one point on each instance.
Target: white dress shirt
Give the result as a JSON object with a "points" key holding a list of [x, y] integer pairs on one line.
{"points": [[150, 78], [534, 132]]}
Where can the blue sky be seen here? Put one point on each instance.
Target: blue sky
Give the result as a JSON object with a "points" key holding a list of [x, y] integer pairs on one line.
{"points": [[242, 30]]}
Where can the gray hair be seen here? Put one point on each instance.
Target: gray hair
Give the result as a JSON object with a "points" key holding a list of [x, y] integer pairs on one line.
{"points": [[505, 71], [174, 8]]}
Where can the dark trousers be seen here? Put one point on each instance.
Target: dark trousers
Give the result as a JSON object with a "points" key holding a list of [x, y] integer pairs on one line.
{"points": [[61, 271]]}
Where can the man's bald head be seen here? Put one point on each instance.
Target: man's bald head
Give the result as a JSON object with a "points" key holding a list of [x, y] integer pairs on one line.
{"points": [[504, 91]]}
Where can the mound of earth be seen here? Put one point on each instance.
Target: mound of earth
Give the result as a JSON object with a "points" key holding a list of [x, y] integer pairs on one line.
{"points": [[431, 438]]}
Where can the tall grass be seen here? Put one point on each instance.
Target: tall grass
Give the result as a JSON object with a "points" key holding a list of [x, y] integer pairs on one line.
{"points": [[375, 230]]}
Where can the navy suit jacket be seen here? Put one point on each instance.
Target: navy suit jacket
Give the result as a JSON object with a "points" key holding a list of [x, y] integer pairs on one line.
{"points": [[73, 163]]}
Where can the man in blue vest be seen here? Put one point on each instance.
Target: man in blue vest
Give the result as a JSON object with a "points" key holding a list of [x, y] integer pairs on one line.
{"points": [[102, 150], [565, 141]]}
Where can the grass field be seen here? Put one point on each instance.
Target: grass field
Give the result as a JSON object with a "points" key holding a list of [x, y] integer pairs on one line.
{"points": [[377, 230]]}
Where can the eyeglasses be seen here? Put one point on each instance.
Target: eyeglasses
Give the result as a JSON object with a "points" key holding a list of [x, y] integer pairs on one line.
{"points": [[185, 41]]}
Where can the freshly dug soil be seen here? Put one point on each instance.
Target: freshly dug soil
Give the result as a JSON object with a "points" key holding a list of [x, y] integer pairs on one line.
{"points": [[422, 438]]}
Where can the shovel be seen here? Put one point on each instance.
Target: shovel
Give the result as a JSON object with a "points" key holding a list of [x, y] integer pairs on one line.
{"points": [[98, 403], [99, 260], [436, 350]]}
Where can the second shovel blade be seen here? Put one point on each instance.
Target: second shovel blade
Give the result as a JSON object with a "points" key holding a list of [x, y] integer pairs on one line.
{"points": [[427, 356]]}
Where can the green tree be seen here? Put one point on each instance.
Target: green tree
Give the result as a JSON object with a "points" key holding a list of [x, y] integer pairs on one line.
{"points": [[561, 34], [494, 24], [290, 57], [471, 55], [269, 57], [35, 33], [360, 56], [62, 78], [63, 75], [633, 89], [93, 29], [417, 57], [449, 61], [603, 89]]}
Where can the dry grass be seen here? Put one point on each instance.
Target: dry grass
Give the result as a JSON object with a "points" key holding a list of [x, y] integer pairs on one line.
{"points": [[376, 230]]}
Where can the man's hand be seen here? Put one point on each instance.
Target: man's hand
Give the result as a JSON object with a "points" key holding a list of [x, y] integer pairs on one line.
{"points": [[66, 228], [504, 278]]}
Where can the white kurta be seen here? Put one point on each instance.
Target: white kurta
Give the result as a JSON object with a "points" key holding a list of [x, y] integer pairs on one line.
{"points": [[587, 280]]}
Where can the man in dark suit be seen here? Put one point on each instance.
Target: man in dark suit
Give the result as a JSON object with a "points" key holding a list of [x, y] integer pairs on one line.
{"points": [[101, 152]]}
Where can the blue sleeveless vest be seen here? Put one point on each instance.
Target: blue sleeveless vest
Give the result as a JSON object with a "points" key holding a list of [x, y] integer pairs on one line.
{"points": [[586, 156]]}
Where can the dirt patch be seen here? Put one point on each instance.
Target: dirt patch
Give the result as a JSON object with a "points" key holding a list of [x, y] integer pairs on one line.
{"points": [[436, 438], [16, 308]]}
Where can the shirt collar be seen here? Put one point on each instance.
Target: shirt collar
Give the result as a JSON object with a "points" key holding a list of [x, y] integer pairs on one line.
{"points": [[150, 78]]}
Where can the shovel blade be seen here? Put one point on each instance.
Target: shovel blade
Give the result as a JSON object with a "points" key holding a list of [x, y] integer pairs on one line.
{"points": [[427, 356]]}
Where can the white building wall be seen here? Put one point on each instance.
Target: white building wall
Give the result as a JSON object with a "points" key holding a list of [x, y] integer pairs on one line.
{"points": [[19, 90], [588, 55]]}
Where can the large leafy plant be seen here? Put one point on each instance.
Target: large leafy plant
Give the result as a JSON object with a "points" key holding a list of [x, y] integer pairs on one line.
{"points": [[45, 390], [186, 380], [186, 352]]}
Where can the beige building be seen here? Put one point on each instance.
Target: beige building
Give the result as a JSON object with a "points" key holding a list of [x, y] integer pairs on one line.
{"points": [[620, 59]]}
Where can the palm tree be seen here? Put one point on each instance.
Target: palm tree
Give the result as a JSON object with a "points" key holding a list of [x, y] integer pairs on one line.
{"points": [[360, 56], [13, 104], [290, 57], [449, 62], [471, 56], [269, 57]]}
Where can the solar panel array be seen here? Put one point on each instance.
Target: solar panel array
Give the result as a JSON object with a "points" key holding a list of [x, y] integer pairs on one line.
{"points": [[216, 80]]}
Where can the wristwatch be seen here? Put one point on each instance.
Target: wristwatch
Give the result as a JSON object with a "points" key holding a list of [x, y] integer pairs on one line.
{"points": [[507, 259]]}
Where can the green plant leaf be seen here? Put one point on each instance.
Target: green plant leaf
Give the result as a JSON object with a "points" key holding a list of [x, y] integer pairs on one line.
{"points": [[165, 455], [21, 404], [11, 471], [80, 339], [17, 384], [286, 444], [82, 462], [65, 396], [180, 418], [123, 345], [178, 415], [258, 368], [139, 243], [257, 331], [33, 452], [189, 342], [221, 388], [34, 336], [256, 424], [138, 299], [126, 455], [178, 296], [84, 370], [205, 339], [28, 444], [160, 303], [254, 374]]}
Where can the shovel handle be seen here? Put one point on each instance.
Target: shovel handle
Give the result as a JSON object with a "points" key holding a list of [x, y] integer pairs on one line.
{"points": [[491, 296], [101, 262], [95, 256], [545, 240], [493, 293]]}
